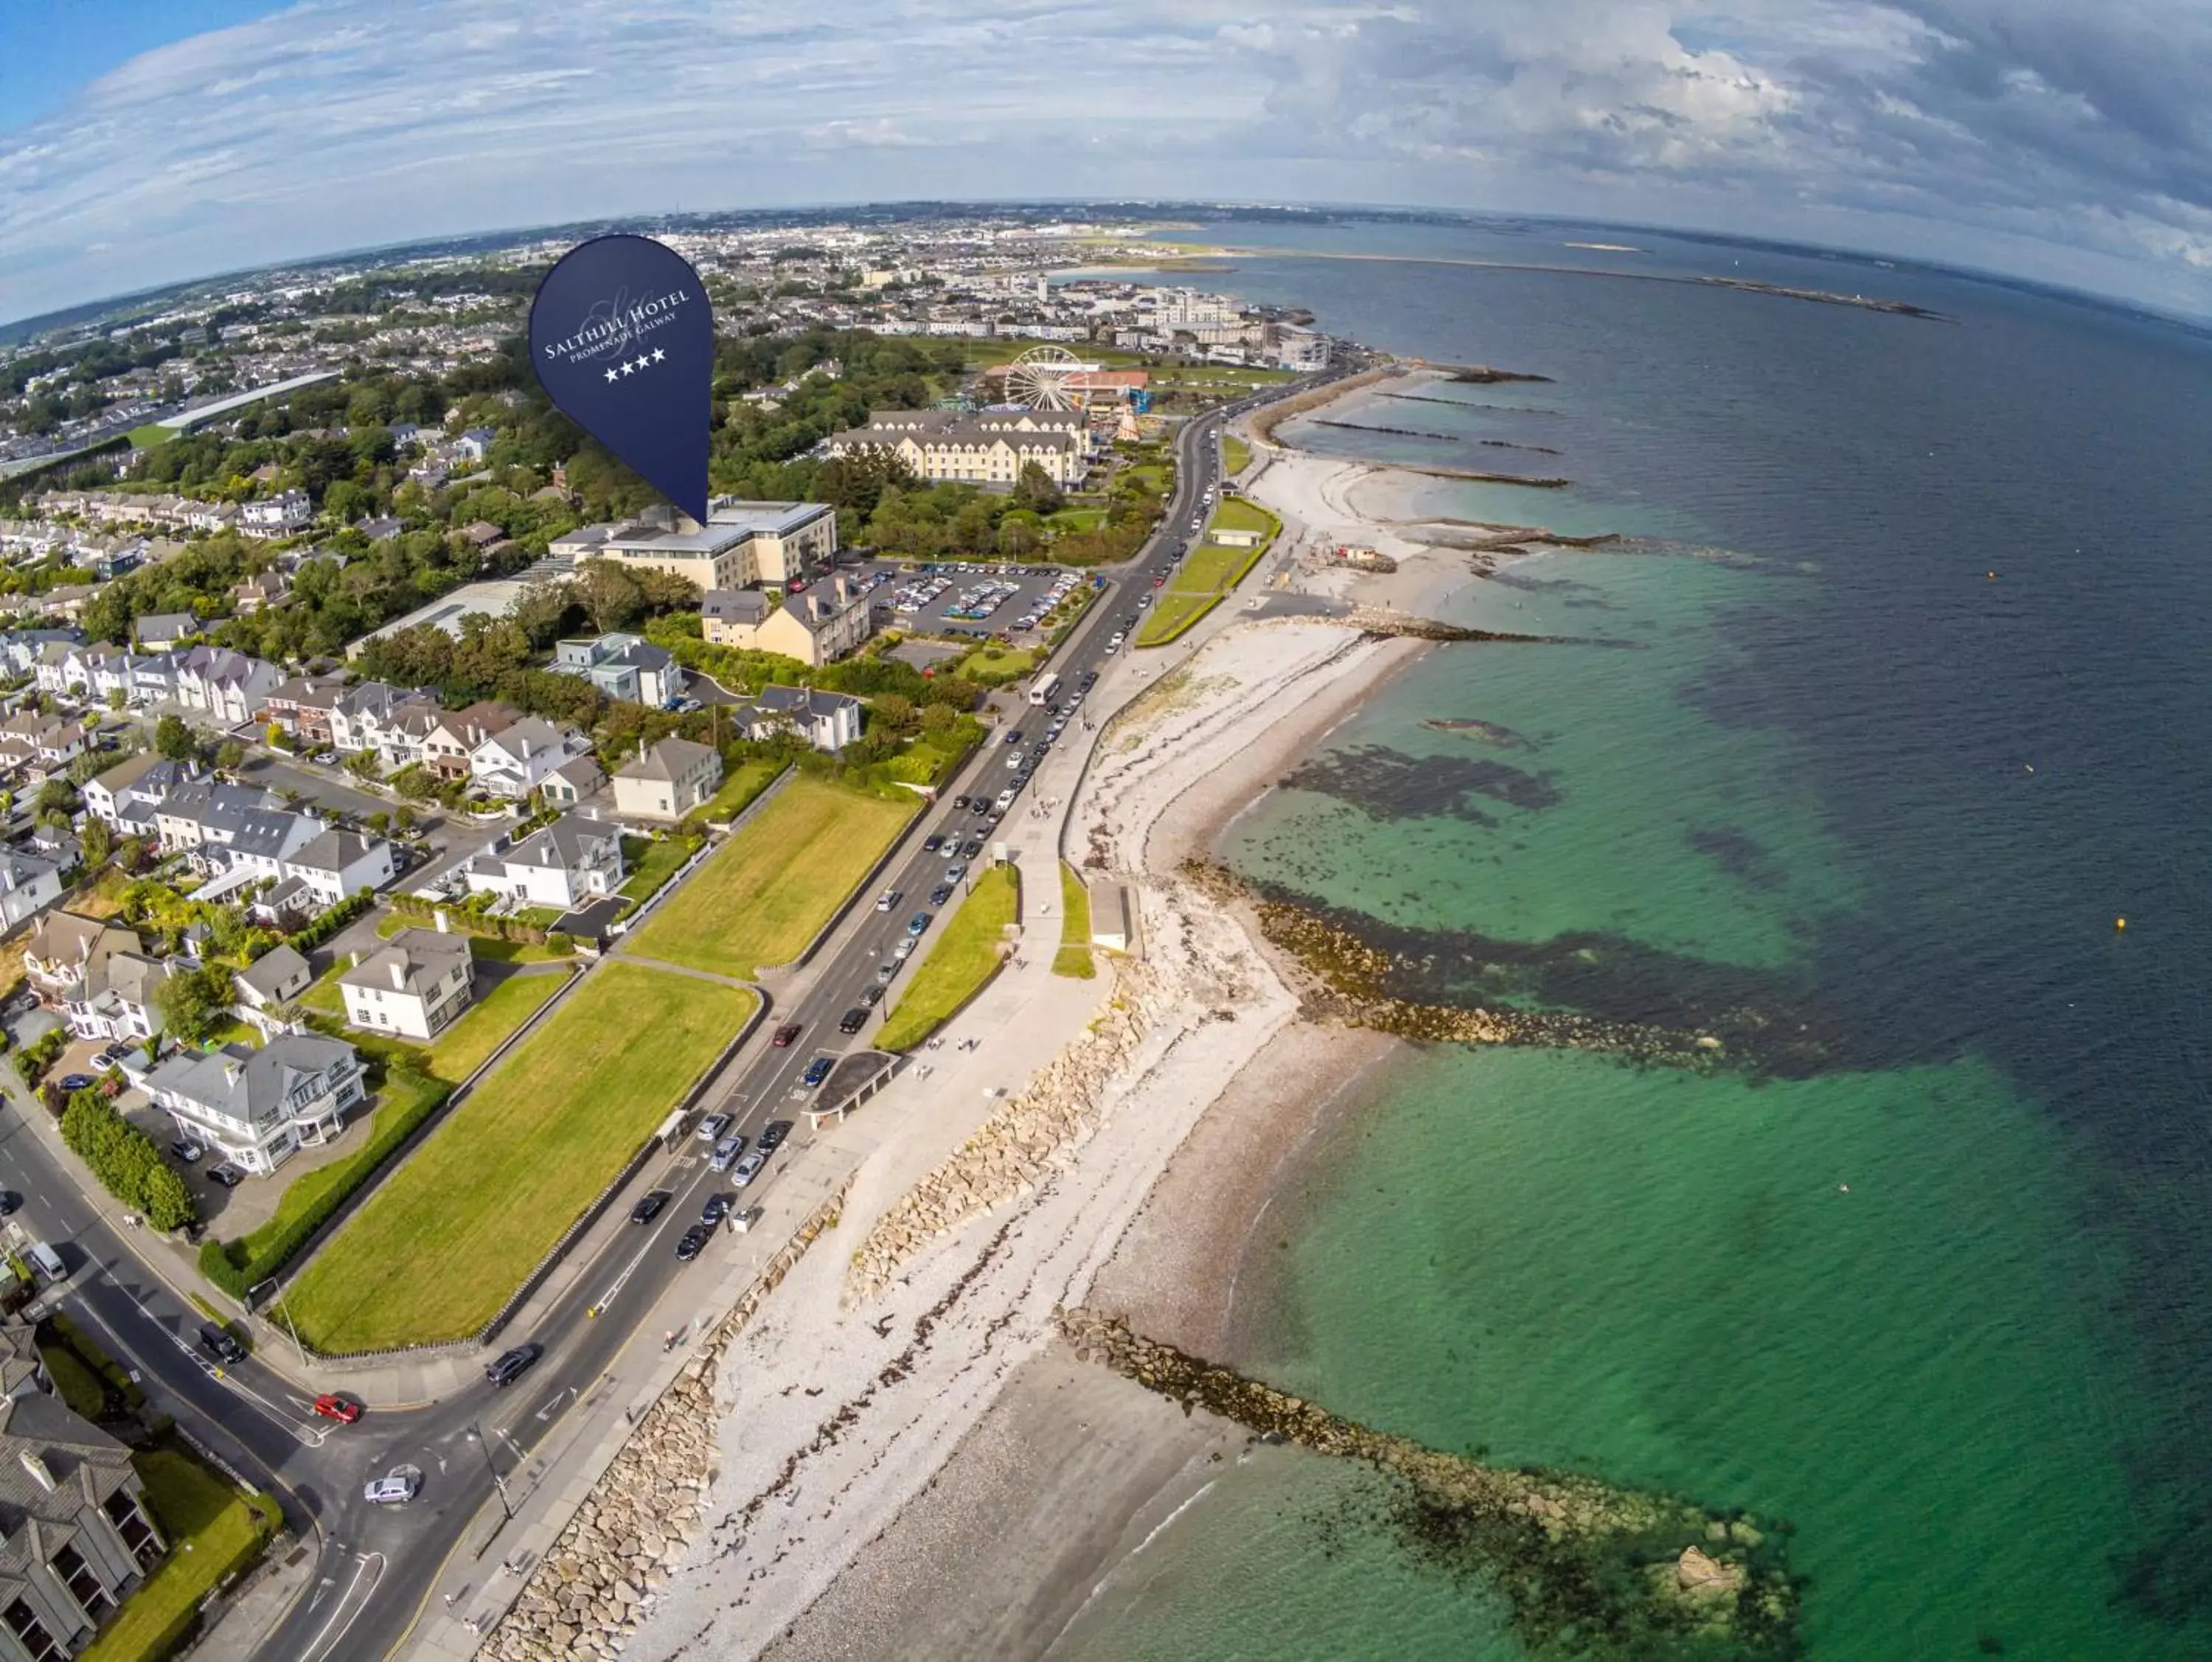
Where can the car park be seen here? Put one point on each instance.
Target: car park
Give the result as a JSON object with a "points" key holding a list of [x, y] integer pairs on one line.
{"points": [[773, 1133], [511, 1365], [726, 1154], [692, 1241], [852, 1020], [712, 1127], [649, 1205], [332, 1407], [748, 1168], [817, 1071], [396, 1490]]}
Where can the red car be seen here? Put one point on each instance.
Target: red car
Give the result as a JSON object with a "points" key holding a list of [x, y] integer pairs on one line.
{"points": [[337, 1408], [1160, 581], [785, 1034]]}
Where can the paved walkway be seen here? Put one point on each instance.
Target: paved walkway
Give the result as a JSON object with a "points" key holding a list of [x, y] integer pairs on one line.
{"points": [[682, 969]]}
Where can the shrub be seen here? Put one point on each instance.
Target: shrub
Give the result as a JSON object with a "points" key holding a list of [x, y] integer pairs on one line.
{"points": [[321, 927], [126, 1162]]}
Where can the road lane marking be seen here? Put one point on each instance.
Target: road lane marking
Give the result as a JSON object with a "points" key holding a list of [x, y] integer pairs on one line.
{"points": [[316, 1647]]}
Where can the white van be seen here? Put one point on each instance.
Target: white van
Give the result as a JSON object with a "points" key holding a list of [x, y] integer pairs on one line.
{"points": [[48, 1262]]}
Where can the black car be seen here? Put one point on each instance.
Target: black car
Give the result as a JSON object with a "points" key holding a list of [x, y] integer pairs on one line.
{"points": [[1015, 737], [959, 802], [648, 1206], [220, 1343], [716, 1209], [228, 1175], [772, 1136], [872, 994], [932, 843], [972, 849], [852, 1020], [511, 1365], [9, 1200], [75, 1081], [1090, 677], [694, 1242], [938, 896]]}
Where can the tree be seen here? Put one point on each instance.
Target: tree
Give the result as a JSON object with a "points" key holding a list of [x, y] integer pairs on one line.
{"points": [[115, 698], [1034, 491], [176, 741], [230, 756], [610, 597], [194, 1002], [405, 818], [97, 840], [55, 798]]}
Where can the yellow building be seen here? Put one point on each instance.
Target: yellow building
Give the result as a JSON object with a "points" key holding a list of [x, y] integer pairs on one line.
{"points": [[815, 627], [990, 447], [742, 544]]}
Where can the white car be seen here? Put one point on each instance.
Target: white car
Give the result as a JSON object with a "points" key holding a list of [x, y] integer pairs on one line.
{"points": [[712, 1127], [1014, 760], [396, 1490], [725, 1151], [887, 899], [904, 950], [1005, 799]]}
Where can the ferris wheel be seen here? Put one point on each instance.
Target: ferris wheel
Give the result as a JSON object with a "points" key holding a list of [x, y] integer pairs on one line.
{"points": [[1039, 377]]}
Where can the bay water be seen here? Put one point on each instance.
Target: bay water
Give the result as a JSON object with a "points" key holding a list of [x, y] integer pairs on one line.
{"points": [[1902, 710]]}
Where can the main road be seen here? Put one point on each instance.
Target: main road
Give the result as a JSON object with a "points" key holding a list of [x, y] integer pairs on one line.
{"points": [[377, 1564]]}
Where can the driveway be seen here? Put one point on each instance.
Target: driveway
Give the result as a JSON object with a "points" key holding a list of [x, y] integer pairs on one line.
{"points": [[316, 786]]}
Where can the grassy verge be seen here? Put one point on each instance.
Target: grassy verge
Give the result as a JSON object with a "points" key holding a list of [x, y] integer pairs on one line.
{"points": [[769, 891], [1174, 615], [965, 957], [1235, 514], [1209, 574], [651, 864], [449, 1236], [1073, 958], [1236, 454], [462, 1048], [740, 787], [213, 1531], [152, 433]]}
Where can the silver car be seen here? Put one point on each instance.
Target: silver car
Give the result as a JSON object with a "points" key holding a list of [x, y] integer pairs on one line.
{"points": [[396, 1490], [748, 1168], [726, 1152]]}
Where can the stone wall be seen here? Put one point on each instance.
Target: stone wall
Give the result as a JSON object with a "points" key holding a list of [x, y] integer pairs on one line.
{"points": [[1025, 1139], [595, 1585]]}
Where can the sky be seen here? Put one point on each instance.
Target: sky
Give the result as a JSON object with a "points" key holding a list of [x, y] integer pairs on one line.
{"points": [[146, 142]]}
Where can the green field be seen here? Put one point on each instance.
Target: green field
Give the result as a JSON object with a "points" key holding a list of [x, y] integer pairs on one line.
{"points": [[455, 1053], [1173, 616], [965, 957], [994, 666], [1236, 454], [1209, 574], [152, 433], [212, 1530], [1235, 514], [1073, 958], [768, 892], [436, 1251], [651, 864], [740, 786]]}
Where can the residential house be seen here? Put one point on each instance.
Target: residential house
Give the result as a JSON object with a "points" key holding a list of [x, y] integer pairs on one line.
{"points": [[40, 744], [627, 667], [827, 720], [454, 740], [270, 588], [578, 778], [414, 986], [284, 906], [384, 525], [513, 762], [668, 780], [364, 718], [474, 445], [29, 885], [338, 864], [160, 631], [79, 1537], [228, 686], [284, 514], [304, 706], [62, 949], [817, 627], [570, 862], [271, 982], [22, 1369], [255, 1108], [234, 827], [127, 795], [119, 997]]}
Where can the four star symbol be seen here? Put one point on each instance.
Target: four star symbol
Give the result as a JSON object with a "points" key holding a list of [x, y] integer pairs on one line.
{"points": [[631, 366]]}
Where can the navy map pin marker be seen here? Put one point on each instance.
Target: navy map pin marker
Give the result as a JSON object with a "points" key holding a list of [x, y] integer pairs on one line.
{"points": [[624, 339]]}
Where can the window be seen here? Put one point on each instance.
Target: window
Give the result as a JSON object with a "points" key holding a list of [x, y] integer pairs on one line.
{"points": [[23, 1621], [130, 1519], [85, 1586]]}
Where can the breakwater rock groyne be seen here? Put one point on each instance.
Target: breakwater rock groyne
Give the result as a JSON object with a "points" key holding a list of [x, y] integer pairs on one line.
{"points": [[1481, 374], [1376, 620], [1263, 421], [1584, 1565]]}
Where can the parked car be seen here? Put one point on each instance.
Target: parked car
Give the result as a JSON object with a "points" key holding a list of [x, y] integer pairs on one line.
{"points": [[851, 1022], [692, 1241], [712, 1127], [933, 842], [228, 1175], [337, 1408], [716, 1209], [221, 1344], [1006, 800], [973, 848], [872, 993], [511, 1365], [393, 1491], [9, 1200], [917, 923], [75, 1081], [956, 871], [785, 1034], [883, 974], [1014, 738], [817, 1071], [184, 1147], [959, 806], [748, 1168], [887, 899], [726, 1154], [649, 1205], [773, 1133], [904, 950], [941, 894]]}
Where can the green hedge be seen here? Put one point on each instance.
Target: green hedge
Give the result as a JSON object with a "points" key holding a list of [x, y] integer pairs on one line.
{"points": [[321, 927], [460, 919], [237, 1265], [125, 1160]]}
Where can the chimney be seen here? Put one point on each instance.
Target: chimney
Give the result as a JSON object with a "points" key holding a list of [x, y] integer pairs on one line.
{"points": [[399, 974], [445, 925], [37, 1468]]}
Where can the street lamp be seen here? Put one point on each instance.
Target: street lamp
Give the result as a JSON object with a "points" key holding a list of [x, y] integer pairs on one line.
{"points": [[484, 1447]]}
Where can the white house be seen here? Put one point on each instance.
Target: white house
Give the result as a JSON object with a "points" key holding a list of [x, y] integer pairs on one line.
{"points": [[514, 761], [230, 687], [271, 981], [573, 780], [256, 1107], [281, 515], [827, 720], [337, 864], [127, 795], [117, 997], [29, 885], [572, 861], [414, 986], [668, 780], [623, 667]]}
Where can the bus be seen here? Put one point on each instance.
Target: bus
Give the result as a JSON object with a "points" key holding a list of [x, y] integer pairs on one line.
{"points": [[1043, 687]]}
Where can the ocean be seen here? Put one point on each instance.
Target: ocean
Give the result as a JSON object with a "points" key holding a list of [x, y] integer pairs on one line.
{"points": [[1909, 716]]}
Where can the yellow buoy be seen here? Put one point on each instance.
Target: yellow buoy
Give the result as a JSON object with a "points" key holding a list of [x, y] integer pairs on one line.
{"points": [[2119, 923]]}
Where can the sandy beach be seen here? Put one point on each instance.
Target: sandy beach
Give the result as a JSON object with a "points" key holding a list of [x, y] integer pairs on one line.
{"points": [[925, 1470]]}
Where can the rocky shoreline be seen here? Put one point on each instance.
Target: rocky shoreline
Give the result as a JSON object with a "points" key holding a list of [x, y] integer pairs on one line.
{"points": [[1580, 1563]]}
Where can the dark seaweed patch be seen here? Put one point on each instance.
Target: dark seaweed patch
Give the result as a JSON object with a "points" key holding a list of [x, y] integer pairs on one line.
{"points": [[1738, 854], [1389, 784]]}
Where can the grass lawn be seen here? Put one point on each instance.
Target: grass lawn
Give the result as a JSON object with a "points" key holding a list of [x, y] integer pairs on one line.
{"points": [[212, 1530], [1074, 519], [1209, 574], [1073, 958], [451, 1233], [966, 956], [461, 1049], [1236, 454], [1235, 514], [1173, 614], [104, 897], [651, 864], [768, 891], [992, 665], [152, 433], [740, 786]]}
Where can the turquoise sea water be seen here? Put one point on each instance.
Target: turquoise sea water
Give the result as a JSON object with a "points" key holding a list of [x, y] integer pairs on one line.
{"points": [[1933, 1286]]}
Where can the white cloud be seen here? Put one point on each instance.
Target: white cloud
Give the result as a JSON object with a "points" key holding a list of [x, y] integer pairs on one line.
{"points": [[2027, 134]]}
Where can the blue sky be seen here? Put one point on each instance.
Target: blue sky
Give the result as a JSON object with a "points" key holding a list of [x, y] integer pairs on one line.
{"points": [[143, 144]]}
